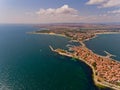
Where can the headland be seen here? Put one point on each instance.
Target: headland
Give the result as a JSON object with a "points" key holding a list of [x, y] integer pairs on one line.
{"points": [[106, 71]]}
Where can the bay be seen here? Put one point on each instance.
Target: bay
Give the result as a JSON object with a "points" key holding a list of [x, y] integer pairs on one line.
{"points": [[105, 42], [27, 63]]}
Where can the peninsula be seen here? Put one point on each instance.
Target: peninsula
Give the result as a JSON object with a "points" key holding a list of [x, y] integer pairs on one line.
{"points": [[106, 71]]}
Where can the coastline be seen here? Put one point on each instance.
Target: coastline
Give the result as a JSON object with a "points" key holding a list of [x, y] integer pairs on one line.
{"points": [[95, 77], [52, 34], [108, 33], [96, 35]]}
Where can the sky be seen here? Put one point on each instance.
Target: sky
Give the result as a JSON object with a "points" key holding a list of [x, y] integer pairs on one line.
{"points": [[59, 11]]}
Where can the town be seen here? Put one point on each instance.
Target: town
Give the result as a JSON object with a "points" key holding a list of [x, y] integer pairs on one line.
{"points": [[106, 70]]}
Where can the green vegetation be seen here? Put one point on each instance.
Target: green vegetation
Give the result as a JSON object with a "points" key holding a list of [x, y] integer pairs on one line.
{"points": [[94, 64], [74, 59], [43, 31], [60, 50], [118, 83]]}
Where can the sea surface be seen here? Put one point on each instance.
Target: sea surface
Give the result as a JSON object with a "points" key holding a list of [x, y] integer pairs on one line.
{"points": [[27, 63], [105, 42]]}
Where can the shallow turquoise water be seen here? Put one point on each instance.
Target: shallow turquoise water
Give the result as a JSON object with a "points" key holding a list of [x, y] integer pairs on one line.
{"points": [[27, 63]]}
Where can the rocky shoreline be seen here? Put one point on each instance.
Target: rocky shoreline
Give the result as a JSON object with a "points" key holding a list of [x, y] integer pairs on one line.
{"points": [[97, 79], [104, 68]]}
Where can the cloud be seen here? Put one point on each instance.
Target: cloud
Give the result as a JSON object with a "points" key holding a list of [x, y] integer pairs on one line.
{"points": [[67, 14], [91, 2], [64, 10], [104, 3], [112, 3], [115, 11], [61, 14]]}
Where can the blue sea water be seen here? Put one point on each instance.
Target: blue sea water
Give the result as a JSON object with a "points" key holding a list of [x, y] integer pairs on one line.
{"points": [[105, 42], [27, 63]]}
